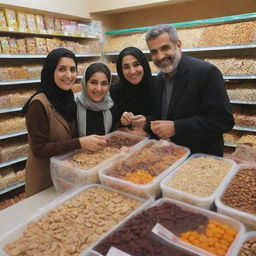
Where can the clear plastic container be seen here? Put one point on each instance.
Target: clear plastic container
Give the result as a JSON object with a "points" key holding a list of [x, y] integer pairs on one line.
{"points": [[17, 232], [246, 218], [247, 236], [186, 207], [204, 202], [141, 190], [65, 175]]}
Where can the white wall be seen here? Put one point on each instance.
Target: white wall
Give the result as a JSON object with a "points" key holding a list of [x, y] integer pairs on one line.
{"points": [[70, 8]]}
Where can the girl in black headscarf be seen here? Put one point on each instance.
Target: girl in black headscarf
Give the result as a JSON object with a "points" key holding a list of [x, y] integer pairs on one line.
{"points": [[51, 120], [131, 93]]}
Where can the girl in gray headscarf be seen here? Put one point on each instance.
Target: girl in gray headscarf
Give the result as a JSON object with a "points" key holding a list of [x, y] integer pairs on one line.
{"points": [[96, 113]]}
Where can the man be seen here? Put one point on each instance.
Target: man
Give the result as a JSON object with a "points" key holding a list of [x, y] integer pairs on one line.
{"points": [[190, 103]]}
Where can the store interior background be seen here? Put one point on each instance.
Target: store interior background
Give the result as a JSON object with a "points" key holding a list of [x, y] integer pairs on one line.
{"points": [[116, 14]]}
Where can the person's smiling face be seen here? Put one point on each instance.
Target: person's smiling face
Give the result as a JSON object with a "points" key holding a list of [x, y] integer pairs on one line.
{"points": [[132, 70], [97, 86], [65, 73]]}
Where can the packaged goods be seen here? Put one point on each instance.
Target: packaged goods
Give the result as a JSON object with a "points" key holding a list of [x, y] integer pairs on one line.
{"points": [[57, 25], [22, 22], [5, 45], [13, 46], [52, 43], [8, 175], [49, 23], [74, 220], [10, 16], [40, 45], [30, 45], [31, 22], [39, 23], [2, 19], [21, 44]]}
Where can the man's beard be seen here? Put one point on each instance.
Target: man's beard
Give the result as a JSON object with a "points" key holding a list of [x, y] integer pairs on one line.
{"points": [[173, 66]]}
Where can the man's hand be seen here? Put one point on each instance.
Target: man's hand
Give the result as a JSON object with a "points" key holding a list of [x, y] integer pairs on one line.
{"points": [[163, 129], [93, 142]]}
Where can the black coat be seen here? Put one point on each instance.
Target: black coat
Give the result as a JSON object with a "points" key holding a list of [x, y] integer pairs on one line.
{"points": [[199, 106]]}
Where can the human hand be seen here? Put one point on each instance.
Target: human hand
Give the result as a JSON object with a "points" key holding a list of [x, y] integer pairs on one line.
{"points": [[93, 142], [164, 129], [126, 118], [139, 121]]}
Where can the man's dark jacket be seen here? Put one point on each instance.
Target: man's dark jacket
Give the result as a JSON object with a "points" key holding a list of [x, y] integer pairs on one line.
{"points": [[199, 106]]}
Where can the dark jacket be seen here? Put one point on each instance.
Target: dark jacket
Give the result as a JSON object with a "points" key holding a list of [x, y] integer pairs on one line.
{"points": [[199, 106]]}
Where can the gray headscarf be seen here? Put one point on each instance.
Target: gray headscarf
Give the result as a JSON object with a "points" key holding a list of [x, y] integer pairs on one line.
{"points": [[84, 102]]}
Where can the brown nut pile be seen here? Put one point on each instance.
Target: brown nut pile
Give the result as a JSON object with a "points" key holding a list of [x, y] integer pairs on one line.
{"points": [[241, 191], [200, 176], [121, 141], [248, 248], [74, 225], [87, 159], [153, 158]]}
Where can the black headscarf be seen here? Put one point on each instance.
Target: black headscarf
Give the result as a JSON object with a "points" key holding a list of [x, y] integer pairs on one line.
{"points": [[62, 100], [136, 96]]}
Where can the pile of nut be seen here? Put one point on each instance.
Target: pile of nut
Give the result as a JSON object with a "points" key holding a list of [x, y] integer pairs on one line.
{"points": [[74, 225], [248, 248]]}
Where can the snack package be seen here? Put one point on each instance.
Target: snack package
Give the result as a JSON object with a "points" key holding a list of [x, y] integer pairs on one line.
{"points": [[21, 45], [40, 22], [11, 18], [49, 23], [57, 25], [13, 46], [41, 46], [52, 43], [65, 25], [31, 21], [22, 22], [2, 19], [31, 45], [5, 45]]}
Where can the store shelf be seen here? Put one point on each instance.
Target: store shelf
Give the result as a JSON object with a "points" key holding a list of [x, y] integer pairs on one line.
{"points": [[230, 144], [239, 77], [15, 82], [243, 48], [12, 134], [246, 102], [41, 56], [244, 128], [8, 110], [12, 187], [14, 161]]}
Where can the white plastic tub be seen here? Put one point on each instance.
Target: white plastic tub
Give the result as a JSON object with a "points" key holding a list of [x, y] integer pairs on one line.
{"points": [[204, 202], [186, 207], [141, 190], [17, 232], [65, 175], [246, 218], [247, 236]]}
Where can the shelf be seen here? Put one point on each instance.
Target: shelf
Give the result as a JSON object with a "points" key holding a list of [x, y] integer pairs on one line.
{"points": [[47, 33], [8, 110], [246, 102], [249, 48], [239, 77], [14, 161], [244, 128], [41, 56], [12, 134], [12, 187], [26, 81], [230, 144]]}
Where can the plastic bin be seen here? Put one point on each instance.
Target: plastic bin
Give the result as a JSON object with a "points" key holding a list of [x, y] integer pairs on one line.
{"points": [[246, 218], [204, 202], [65, 175], [17, 232], [186, 207], [141, 190], [247, 236]]}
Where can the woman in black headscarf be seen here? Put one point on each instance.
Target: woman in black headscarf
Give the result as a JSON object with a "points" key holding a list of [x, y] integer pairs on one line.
{"points": [[51, 120], [131, 93]]}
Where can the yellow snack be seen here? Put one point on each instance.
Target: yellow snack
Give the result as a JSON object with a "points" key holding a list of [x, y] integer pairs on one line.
{"points": [[31, 21], [2, 19], [21, 17], [39, 22], [11, 18]]}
